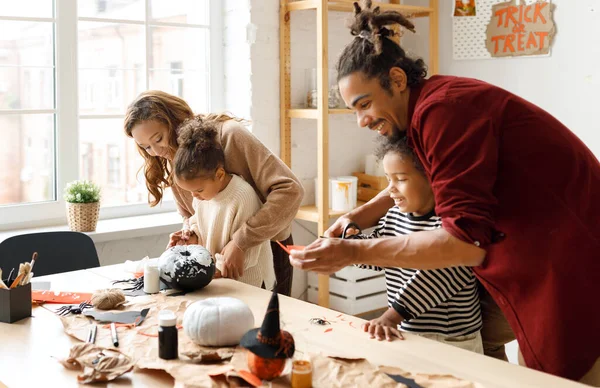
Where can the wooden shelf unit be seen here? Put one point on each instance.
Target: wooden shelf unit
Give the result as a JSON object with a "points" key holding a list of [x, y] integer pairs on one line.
{"points": [[311, 212], [320, 212]]}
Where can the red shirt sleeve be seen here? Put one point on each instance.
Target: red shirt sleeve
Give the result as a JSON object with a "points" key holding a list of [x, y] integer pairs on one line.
{"points": [[459, 149]]}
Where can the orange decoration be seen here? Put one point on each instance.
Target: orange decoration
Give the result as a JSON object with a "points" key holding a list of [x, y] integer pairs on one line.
{"points": [[328, 330], [61, 297], [265, 368]]}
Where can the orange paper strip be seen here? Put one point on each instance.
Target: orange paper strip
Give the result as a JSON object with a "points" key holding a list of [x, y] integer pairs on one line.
{"points": [[46, 296]]}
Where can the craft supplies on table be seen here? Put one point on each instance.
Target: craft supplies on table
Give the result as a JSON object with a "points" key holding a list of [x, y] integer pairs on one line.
{"points": [[15, 303], [168, 347], [92, 334], [151, 278], [113, 335], [15, 293]]}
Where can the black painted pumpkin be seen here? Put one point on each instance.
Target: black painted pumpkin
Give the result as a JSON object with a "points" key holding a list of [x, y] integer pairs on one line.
{"points": [[187, 267]]}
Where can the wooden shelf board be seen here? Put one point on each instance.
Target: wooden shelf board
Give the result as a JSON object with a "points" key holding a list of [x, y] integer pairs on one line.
{"points": [[301, 5], [346, 6], [311, 213], [300, 113]]}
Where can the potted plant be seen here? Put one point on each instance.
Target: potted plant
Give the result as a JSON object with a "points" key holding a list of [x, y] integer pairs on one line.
{"points": [[83, 205]]}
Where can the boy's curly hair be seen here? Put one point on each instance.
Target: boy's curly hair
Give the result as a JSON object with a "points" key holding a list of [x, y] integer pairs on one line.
{"points": [[399, 145]]}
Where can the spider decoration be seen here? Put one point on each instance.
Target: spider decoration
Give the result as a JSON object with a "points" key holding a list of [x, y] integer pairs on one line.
{"points": [[319, 321], [136, 284], [73, 309]]}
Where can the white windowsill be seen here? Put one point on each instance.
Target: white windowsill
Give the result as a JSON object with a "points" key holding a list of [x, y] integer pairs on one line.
{"points": [[117, 228]]}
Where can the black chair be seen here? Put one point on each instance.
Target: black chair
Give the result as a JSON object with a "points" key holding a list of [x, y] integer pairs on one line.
{"points": [[57, 252]]}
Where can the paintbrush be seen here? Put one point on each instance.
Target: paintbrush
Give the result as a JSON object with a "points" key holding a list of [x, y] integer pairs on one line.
{"points": [[2, 284], [17, 280], [33, 259]]}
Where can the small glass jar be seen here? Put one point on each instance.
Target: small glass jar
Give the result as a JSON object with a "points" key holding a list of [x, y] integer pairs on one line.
{"points": [[151, 279], [301, 374], [310, 80]]}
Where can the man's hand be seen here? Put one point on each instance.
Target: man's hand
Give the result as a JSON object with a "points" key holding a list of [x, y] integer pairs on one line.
{"points": [[326, 255], [338, 226], [182, 237], [233, 261], [385, 327]]}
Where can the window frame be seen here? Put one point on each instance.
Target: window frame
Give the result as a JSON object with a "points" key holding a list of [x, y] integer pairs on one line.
{"points": [[66, 111]]}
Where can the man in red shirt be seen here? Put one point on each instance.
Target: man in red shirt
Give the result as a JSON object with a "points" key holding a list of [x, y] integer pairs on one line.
{"points": [[518, 194]]}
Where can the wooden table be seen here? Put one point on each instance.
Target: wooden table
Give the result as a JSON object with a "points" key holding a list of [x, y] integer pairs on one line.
{"points": [[29, 348]]}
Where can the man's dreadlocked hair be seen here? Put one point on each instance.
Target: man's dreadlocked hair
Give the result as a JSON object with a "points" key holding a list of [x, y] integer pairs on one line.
{"points": [[373, 52]]}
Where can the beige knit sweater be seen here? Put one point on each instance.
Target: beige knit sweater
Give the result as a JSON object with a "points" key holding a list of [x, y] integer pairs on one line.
{"points": [[275, 184], [216, 222]]}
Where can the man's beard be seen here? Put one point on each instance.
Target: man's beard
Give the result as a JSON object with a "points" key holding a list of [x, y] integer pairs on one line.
{"points": [[396, 136]]}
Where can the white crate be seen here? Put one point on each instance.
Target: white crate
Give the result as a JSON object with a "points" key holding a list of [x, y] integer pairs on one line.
{"points": [[358, 306], [352, 290]]}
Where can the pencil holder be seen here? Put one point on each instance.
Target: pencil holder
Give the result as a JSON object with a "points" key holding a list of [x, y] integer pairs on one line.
{"points": [[15, 303]]}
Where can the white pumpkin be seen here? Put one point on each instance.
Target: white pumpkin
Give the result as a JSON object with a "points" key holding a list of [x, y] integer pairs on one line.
{"points": [[217, 321]]}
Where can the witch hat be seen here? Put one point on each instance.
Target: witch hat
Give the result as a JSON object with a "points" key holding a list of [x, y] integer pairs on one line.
{"points": [[269, 341]]}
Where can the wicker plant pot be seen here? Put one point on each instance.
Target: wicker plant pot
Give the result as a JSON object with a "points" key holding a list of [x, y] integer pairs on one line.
{"points": [[83, 217]]}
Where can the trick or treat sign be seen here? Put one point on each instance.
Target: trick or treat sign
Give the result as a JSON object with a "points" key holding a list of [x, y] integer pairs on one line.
{"points": [[516, 29]]}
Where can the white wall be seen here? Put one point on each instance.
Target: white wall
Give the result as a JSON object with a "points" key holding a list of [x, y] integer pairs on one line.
{"points": [[566, 84], [251, 49]]}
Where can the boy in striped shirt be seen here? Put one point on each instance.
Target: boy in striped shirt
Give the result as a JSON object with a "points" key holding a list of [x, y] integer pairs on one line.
{"points": [[441, 304]]}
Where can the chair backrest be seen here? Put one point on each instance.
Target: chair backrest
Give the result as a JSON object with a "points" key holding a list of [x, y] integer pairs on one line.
{"points": [[57, 252]]}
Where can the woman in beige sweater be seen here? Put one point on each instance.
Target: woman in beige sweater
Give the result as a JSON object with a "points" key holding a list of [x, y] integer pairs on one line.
{"points": [[152, 120]]}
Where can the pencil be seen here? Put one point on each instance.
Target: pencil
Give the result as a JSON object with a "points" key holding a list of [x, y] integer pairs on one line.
{"points": [[92, 334], [113, 332]]}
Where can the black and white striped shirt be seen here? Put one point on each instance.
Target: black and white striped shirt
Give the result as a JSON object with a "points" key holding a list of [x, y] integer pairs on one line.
{"points": [[442, 301]]}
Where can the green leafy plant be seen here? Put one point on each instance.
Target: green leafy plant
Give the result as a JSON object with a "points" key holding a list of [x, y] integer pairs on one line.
{"points": [[82, 192]]}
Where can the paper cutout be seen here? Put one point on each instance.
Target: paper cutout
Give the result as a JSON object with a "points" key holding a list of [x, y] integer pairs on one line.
{"points": [[97, 363], [524, 29], [41, 296], [122, 317]]}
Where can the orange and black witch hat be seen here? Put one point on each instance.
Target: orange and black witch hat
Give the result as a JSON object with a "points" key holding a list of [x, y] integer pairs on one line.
{"points": [[269, 341]]}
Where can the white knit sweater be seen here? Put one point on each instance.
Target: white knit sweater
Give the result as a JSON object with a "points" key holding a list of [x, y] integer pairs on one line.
{"points": [[216, 221]]}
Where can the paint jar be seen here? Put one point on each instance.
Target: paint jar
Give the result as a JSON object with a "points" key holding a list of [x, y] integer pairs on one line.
{"points": [[301, 374], [151, 279], [353, 188], [167, 335], [341, 197]]}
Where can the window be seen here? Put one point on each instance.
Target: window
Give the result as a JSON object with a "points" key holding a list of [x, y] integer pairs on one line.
{"points": [[27, 108], [59, 122], [87, 162], [114, 166]]}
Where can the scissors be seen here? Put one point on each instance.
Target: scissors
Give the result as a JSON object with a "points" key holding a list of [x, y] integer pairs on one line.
{"points": [[349, 226]]}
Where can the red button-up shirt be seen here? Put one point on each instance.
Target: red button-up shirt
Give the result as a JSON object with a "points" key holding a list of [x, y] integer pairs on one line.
{"points": [[509, 177]]}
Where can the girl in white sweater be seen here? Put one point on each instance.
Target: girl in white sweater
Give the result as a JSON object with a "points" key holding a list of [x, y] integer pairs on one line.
{"points": [[223, 202]]}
